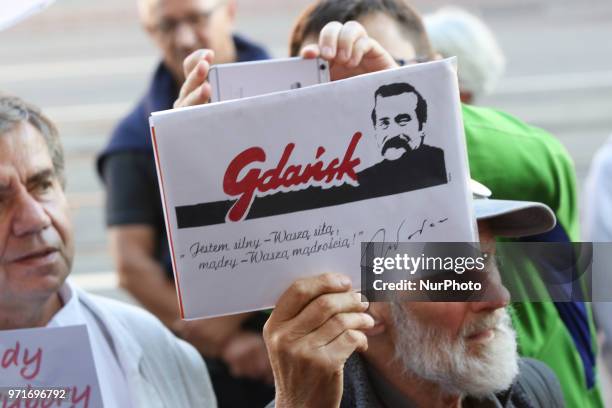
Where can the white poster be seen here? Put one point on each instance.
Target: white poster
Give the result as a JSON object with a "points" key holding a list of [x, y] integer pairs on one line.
{"points": [[260, 191], [48, 367], [12, 12]]}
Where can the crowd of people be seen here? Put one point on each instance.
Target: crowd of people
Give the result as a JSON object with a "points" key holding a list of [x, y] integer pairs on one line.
{"points": [[323, 345]]}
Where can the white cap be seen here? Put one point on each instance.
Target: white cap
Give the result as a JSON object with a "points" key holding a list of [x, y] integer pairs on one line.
{"points": [[510, 218], [455, 32]]}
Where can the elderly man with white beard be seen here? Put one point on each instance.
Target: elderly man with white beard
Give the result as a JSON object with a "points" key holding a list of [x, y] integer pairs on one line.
{"points": [[328, 348]]}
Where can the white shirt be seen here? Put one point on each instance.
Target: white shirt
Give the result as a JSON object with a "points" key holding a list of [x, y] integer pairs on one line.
{"points": [[596, 220], [113, 383], [597, 227]]}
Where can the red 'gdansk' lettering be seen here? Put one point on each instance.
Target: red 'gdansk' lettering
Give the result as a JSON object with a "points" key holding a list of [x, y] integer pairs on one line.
{"points": [[278, 177]]}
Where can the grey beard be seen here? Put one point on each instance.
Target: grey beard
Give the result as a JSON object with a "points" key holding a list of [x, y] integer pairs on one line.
{"points": [[429, 353]]}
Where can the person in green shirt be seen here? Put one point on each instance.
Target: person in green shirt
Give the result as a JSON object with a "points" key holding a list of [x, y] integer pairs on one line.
{"points": [[519, 161]]}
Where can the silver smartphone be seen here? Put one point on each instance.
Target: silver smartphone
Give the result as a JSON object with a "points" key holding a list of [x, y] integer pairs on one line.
{"points": [[243, 79]]}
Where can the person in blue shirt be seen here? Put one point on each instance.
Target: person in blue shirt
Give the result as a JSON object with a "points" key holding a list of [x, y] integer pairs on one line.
{"points": [[233, 346]]}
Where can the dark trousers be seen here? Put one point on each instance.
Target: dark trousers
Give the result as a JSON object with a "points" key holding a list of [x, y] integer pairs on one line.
{"points": [[235, 392]]}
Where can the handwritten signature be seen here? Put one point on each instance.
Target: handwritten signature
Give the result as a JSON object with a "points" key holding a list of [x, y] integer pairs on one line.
{"points": [[401, 235]]}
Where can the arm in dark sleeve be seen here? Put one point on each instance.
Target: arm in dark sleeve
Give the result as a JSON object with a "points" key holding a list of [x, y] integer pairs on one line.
{"points": [[132, 192]]}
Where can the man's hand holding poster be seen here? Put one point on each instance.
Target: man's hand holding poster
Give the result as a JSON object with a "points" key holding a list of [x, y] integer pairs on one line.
{"points": [[260, 191]]}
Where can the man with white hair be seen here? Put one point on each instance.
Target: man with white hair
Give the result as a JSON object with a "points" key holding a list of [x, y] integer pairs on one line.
{"points": [[516, 160], [481, 63], [329, 348]]}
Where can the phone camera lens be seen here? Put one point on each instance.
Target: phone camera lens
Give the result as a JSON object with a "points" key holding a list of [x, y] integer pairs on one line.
{"points": [[322, 67]]}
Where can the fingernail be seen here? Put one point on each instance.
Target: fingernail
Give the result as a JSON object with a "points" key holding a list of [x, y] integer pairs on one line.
{"points": [[344, 280], [371, 319], [203, 91], [359, 297], [202, 67]]}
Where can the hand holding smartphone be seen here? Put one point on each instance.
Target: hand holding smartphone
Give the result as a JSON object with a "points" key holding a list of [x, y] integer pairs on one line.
{"points": [[241, 80]]}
